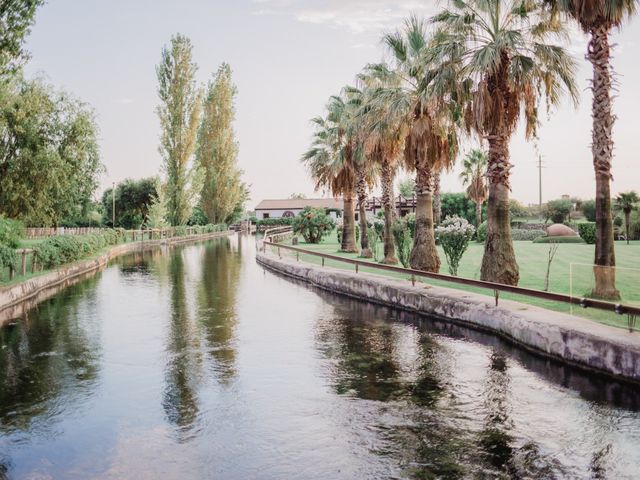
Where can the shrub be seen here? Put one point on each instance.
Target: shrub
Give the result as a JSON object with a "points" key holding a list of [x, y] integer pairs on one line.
{"points": [[339, 233], [454, 235], [558, 240], [587, 232], [313, 224], [61, 249], [11, 232], [402, 238], [481, 233], [275, 222], [180, 231], [589, 210], [411, 223], [557, 210], [519, 234], [8, 257]]}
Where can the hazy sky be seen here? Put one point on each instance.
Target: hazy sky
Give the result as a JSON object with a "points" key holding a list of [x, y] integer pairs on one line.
{"points": [[288, 56]]}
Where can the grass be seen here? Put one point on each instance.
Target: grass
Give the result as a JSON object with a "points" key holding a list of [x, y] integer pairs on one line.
{"points": [[532, 259]]}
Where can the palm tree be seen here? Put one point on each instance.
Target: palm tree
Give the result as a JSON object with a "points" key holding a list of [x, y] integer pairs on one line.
{"points": [[418, 96], [330, 161], [474, 176], [597, 18], [505, 57], [626, 203]]}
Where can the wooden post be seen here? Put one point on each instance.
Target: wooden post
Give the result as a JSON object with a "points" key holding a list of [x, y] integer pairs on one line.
{"points": [[33, 265], [11, 272], [24, 262], [356, 268]]}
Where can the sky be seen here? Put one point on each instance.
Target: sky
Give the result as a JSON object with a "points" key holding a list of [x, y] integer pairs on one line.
{"points": [[288, 57]]}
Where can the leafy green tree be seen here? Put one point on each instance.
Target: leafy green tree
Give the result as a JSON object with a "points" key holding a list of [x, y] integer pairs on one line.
{"points": [[133, 199], [313, 224], [507, 59], [217, 151], [589, 210], [597, 18], [407, 187], [557, 210], [16, 19], [626, 202], [49, 157], [179, 114]]}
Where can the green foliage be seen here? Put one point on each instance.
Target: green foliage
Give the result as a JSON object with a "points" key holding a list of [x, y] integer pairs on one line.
{"points": [[407, 187], [179, 113], [558, 240], [459, 205], [402, 239], [374, 238], [313, 224], [8, 257], [11, 231], [180, 231], [198, 216], [587, 232], [16, 18], [157, 211], [49, 156], [589, 210], [454, 235], [557, 210], [410, 218], [133, 199], [223, 193], [481, 233], [520, 234], [341, 228], [275, 222], [62, 249]]}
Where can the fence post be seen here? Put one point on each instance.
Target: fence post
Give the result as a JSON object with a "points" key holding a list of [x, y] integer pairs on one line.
{"points": [[323, 261], [11, 272], [356, 268], [413, 280], [33, 265], [497, 295], [24, 262]]}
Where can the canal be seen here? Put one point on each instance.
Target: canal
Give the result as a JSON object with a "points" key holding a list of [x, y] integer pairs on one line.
{"points": [[195, 363]]}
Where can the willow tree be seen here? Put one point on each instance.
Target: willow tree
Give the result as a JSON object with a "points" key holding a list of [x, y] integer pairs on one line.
{"points": [[179, 113], [217, 150], [422, 100], [597, 18], [474, 176], [505, 48], [16, 19]]}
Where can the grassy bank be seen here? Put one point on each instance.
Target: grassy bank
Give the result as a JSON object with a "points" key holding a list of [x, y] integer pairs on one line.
{"points": [[532, 259]]}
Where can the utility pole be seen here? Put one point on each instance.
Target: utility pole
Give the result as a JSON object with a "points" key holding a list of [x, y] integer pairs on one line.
{"points": [[113, 205]]}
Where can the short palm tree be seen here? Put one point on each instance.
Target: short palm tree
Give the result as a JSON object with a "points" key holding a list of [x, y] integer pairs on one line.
{"points": [[506, 57], [597, 18], [474, 176], [626, 203]]}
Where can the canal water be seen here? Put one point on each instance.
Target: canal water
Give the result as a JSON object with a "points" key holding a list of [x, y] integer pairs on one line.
{"points": [[195, 363]]}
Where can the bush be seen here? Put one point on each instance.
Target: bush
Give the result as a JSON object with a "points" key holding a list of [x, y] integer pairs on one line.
{"points": [[587, 232], [410, 218], [275, 222], [313, 224], [558, 240], [557, 210], [11, 231], [8, 257], [402, 238], [61, 249], [589, 210], [339, 233], [454, 235], [519, 234], [481, 232]]}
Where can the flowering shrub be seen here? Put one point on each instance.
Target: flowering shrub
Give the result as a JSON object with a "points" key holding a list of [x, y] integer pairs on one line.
{"points": [[312, 224], [454, 235]]}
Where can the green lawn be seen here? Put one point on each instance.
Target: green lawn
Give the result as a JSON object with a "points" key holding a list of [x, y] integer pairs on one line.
{"points": [[532, 259]]}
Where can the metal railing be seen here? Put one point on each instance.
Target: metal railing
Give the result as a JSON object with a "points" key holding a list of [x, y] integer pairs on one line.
{"points": [[631, 311]]}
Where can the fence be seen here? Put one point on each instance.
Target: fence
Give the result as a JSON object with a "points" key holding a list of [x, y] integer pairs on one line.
{"points": [[28, 263], [632, 311], [43, 232]]}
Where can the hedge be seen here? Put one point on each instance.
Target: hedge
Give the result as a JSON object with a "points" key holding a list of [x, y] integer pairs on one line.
{"points": [[275, 222], [558, 240], [587, 232], [525, 234], [11, 231], [61, 249]]}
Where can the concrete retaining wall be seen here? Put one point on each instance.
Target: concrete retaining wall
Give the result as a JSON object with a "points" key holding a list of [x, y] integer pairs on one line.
{"points": [[13, 298], [572, 339]]}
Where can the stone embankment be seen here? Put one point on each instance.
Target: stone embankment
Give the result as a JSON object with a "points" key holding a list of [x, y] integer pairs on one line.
{"points": [[565, 337]]}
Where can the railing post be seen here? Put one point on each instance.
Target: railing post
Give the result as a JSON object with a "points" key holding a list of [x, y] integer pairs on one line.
{"points": [[413, 280], [33, 265], [323, 261], [24, 262], [356, 268], [297, 256], [497, 295], [11, 272]]}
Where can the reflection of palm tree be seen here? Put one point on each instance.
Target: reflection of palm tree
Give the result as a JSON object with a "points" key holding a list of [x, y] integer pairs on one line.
{"points": [[217, 303], [180, 400]]}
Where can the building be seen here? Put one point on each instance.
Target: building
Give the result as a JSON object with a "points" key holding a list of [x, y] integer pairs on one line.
{"points": [[290, 207]]}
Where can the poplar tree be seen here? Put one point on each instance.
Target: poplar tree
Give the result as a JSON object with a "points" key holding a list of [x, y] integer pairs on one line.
{"points": [[179, 113], [217, 151]]}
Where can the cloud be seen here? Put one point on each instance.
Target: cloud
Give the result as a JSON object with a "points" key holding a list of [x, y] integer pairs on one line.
{"points": [[124, 101], [357, 16]]}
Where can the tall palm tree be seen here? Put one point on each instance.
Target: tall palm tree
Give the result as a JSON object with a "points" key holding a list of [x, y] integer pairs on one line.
{"points": [[505, 52], [597, 18], [626, 203], [418, 96], [330, 161], [474, 176]]}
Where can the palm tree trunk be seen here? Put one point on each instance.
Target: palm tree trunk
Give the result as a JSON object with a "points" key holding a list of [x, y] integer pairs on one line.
{"points": [[424, 255], [387, 175], [349, 225], [437, 200], [499, 260], [478, 213], [602, 150], [361, 188]]}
